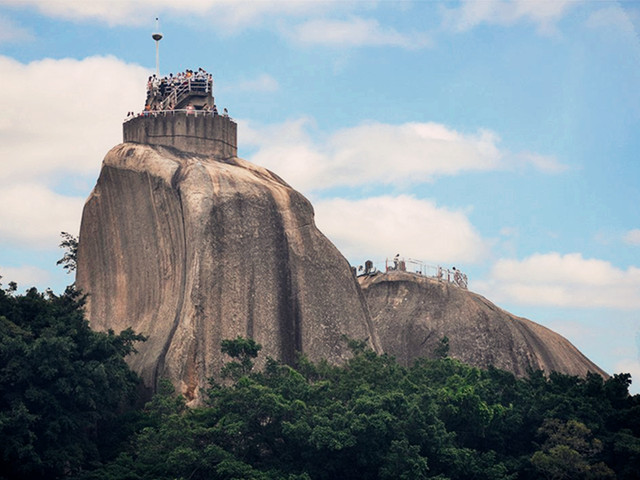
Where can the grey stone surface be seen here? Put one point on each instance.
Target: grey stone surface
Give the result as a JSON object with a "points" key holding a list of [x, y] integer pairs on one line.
{"points": [[411, 313], [197, 132], [190, 250]]}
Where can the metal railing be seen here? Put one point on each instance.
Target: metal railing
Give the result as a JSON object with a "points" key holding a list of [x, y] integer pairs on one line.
{"points": [[453, 275], [177, 93], [185, 111]]}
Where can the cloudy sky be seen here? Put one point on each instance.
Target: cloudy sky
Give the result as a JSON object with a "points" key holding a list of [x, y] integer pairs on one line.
{"points": [[501, 137]]}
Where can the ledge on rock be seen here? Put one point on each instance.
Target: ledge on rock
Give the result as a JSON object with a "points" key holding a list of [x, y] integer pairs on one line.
{"points": [[412, 313]]}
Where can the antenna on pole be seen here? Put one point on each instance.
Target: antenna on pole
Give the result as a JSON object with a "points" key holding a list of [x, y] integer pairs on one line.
{"points": [[157, 36]]}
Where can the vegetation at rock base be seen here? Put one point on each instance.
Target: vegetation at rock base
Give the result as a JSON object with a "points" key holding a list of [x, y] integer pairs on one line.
{"points": [[372, 418], [65, 412], [63, 387]]}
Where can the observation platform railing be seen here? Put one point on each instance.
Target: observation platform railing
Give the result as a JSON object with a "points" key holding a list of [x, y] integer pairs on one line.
{"points": [[177, 93], [182, 111], [453, 275]]}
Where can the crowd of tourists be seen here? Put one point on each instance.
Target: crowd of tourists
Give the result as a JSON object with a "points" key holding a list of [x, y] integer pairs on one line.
{"points": [[154, 111], [159, 89], [164, 93]]}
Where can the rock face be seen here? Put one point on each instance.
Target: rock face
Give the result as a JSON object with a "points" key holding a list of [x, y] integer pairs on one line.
{"points": [[189, 250], [412, 313]]}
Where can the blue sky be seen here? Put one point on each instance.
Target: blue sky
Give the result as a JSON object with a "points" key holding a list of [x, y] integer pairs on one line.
{"points": [[498, 136]]}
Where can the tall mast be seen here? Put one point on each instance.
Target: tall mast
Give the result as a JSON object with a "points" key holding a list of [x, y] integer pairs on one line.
{"points": [[157, 36]]}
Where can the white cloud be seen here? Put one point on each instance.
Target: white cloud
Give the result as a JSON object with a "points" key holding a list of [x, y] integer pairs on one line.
{"points": [[32, 214], [377, 153], [61, 116], [542, 163], [632, 237], [632, 366], [59, 119], [567, 280], [24, 276], [614, 17], [288, 150], [227, 14], [379, 227], [10, 32], [355, 32], [471, 13], [509, 232], [578, 331], [262, 83]]}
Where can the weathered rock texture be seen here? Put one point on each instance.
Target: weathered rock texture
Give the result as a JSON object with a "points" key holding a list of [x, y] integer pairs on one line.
{"points": [[204, 133], [190, 250], [412, 313]]}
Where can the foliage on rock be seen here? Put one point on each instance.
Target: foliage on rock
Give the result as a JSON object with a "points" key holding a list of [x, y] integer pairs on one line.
{"points": [[69, 244], [374, 419]]}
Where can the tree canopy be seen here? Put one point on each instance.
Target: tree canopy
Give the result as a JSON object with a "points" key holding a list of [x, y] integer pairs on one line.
{"points": [[66, 411], [374, 419], [61, 385], [69, 244]]}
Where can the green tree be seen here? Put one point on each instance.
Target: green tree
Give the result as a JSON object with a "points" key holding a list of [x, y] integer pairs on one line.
{"points": [[243, 351], [403, 462], [371, 418], [442, 349], [568, 452], [70, 245], [61, 384]]}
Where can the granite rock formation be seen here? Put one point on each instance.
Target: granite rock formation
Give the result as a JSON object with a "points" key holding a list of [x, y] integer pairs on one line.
{"points": [[191, 249], [412, 313]]}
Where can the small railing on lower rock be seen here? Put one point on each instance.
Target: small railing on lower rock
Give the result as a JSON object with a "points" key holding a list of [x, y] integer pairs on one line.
{"points": [[397, 263]]}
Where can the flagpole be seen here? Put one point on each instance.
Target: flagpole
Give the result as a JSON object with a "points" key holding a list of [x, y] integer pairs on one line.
{"points": [[157, 36]]}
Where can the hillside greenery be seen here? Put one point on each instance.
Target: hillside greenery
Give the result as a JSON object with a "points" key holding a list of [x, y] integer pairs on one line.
{"points": [[63, 387], [67, 411]]}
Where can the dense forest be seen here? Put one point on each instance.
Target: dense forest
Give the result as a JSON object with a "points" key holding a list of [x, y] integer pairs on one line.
{"points": [[69, 409]]}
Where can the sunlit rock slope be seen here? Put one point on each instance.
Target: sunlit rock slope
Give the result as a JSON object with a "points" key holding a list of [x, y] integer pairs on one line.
{"points": [[189, 250], [412, 313]]}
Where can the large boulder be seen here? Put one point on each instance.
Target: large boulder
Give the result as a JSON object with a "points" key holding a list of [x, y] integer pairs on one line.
{"points": [[190, 250], [412, 313]]}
